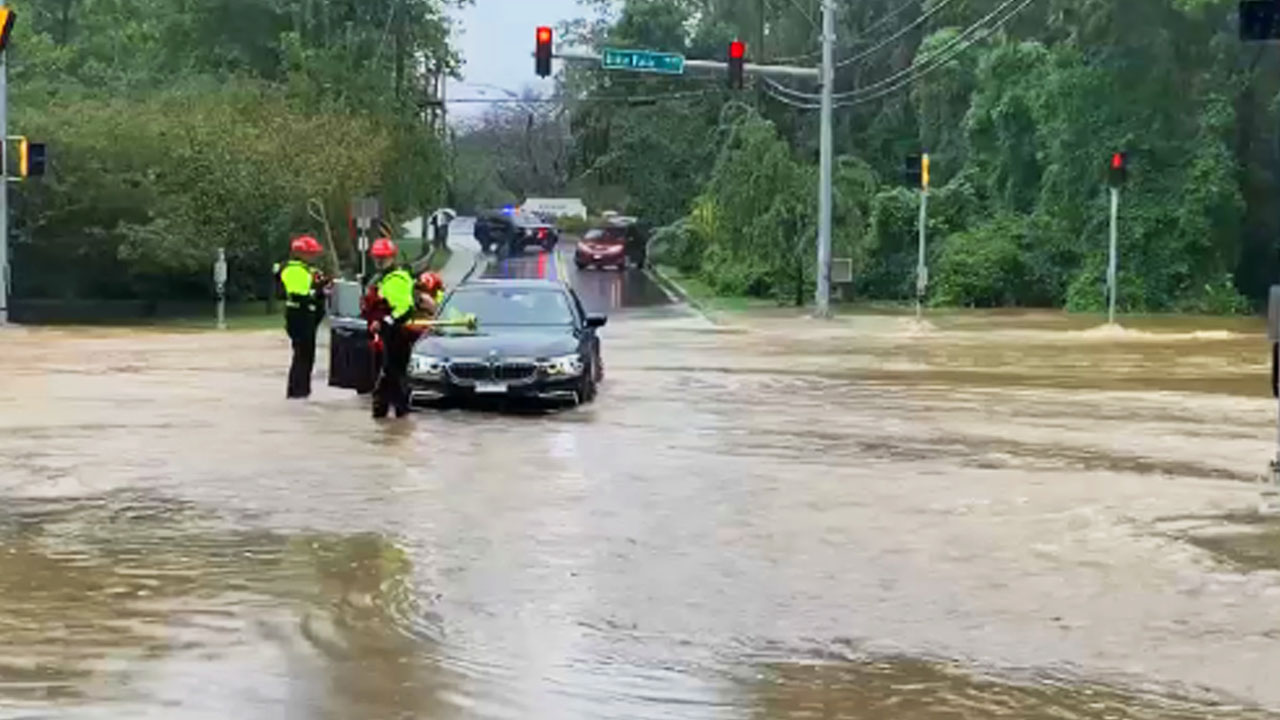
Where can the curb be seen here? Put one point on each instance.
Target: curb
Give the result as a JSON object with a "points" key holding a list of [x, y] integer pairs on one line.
{"points": [[679, 293]]}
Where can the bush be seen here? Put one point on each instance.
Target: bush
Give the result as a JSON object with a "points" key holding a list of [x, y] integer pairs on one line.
{"points": [[573, 225], [143, 191], [981, 267], [679, 246]]}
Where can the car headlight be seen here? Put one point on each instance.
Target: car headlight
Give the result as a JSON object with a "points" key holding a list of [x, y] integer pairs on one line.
{"points": [[426, 366], [565, 365]]}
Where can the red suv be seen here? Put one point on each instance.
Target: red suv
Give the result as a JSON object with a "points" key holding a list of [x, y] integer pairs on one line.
{"points": [[616, 245]]}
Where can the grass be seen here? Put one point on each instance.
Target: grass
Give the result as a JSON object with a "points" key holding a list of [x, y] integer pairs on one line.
{"points": [[241, 317], [701, 294]]}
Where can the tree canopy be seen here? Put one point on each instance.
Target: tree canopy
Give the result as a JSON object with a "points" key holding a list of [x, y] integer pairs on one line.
{"points": [[1019, 112], [178, 127]]}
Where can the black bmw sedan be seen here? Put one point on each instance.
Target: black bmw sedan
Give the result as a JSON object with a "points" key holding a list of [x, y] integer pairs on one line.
{"points": [[531, 340]]}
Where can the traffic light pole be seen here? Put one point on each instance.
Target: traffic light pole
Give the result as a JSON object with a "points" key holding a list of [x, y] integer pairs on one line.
{"points": [[922, 270], [1111, 261], [823, 294]]}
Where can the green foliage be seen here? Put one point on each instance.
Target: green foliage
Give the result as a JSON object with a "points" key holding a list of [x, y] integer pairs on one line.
{"points": [[981, 267], [177, 128], [1018, 127]]}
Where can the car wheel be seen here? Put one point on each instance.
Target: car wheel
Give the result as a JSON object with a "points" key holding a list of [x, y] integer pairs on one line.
{"points": [[581, 265], [587, 391]]}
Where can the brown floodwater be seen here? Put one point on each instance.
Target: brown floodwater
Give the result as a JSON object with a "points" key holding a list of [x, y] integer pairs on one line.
{"points": [[986, 515]]}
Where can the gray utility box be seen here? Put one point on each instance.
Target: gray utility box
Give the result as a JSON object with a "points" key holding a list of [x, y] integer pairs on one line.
{"points": [[1273, 337], [352, 362]]}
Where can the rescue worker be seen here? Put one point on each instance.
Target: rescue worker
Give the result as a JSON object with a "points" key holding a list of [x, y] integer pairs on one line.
{"points": [[304, 288], [395, 292], [430, 294]]}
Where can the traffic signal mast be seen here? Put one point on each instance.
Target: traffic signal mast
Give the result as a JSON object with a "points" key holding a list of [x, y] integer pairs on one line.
{"points": [[736, 68]]}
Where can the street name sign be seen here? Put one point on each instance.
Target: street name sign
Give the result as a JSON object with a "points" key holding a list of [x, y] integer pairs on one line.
{"points": [[642, 61]]}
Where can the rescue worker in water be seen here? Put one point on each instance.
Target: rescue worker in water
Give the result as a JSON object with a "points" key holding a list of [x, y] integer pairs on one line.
{"points": [[304, 290], [389, 318]]}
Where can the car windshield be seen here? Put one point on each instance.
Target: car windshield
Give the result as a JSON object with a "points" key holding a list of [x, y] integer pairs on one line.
{"points": [[509, 307], [605, 236]]}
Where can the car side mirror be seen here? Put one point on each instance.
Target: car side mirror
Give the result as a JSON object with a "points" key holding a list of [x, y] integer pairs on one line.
{"points": [[597, 321]]}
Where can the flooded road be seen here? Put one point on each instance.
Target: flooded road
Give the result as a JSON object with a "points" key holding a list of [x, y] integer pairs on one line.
{"points": [[986, 515]]}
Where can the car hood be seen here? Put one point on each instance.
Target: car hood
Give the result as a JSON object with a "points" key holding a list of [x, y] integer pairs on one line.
{"points": [[500, 342]]}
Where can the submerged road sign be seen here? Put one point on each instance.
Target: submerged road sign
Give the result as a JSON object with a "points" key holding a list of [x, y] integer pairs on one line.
{"points": [[642, 61]]}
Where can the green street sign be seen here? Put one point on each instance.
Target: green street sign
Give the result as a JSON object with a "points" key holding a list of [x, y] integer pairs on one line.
{"points": [[642, 61]]}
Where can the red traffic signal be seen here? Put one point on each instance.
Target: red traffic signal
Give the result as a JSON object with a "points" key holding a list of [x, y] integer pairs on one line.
{"points": [[542, 52], [737, 57], [1118, 169]]}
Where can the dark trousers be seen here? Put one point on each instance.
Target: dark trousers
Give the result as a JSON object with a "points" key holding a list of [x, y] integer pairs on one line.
{"points": [[392, 390], [301, 324]]}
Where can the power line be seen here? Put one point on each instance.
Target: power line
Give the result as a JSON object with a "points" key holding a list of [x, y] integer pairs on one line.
{"points": [[915, 67], [918, 68], [889, 85], [771, 92], [861, 98], [803, 13], [884, 19], [895, 36], [872, 28]]}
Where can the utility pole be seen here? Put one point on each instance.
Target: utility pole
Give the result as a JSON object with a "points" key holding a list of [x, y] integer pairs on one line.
{"points": [[823, 296], [4, 188], [761, 9]]}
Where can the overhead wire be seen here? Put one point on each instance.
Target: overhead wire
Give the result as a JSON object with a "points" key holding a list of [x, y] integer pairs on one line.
{"points": [[866, 95], [897, 81], [892, 78], [895, 36], [869, 30]]}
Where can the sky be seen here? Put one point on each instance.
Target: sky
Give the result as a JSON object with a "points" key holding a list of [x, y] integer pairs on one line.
{"points": [[496, 41]]}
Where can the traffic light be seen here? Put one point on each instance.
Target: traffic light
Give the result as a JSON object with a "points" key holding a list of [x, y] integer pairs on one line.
{"points": [[1258, 20], [542, 52], [914, 171], [737, 60], [1118, 169], [7, 17], [31, 158], [924, 171]]}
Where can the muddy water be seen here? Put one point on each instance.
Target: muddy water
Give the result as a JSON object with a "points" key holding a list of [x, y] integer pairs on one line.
{"points": [[983, 516]]}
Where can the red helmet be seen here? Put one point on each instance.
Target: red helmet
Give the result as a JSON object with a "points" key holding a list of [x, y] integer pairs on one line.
{"points": [[306, 245], [383, 248], [430, 282]]}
